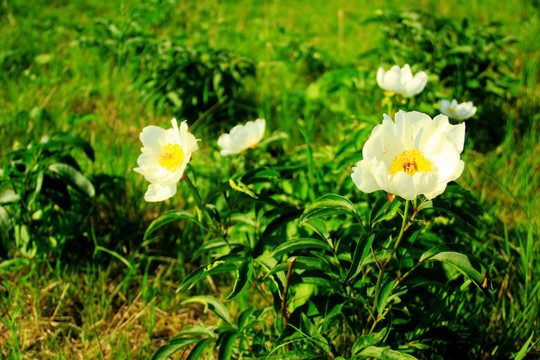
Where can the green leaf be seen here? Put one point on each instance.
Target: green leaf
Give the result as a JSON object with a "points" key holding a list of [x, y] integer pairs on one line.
{"points": [[464, 263], [197, 330], [69, 140], [383, 296], [319, 226], [217, 267], [360, 253], [23, 242], [243, 275], [386, 354], [8, 196], [198, 349], [226, 345], [296, 244], [241, 187], [74, 178], [367, 340], [5, 230], [172, 347], [330, 204], [210, 302], [168, 217], [12, 265], [260, 175], [304, 263], [384, 210], [525, 348]]}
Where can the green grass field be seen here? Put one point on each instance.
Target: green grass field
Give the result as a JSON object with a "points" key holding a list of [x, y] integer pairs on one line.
{"points": [[105, 70]]}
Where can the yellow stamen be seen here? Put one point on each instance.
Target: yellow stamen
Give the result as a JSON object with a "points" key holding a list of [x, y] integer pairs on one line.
{"points": [[452, 110], [410, 161], [171, 157]]}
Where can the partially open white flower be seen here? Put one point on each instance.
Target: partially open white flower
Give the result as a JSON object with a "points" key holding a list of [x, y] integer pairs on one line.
{"points": [[457, 111], [242, 137], [165, 155], [412, 156], [402, 81]]}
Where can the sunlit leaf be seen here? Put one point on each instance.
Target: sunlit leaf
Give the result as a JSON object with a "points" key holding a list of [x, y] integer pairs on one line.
{"points": [[68, 140], [243, 275], [74, 178], [360, 253], [198, 350], [210, 302], [172, 347], [386, 354], [328, 205], [168, 217], [297, 244], [464, 263], [226, 345]]}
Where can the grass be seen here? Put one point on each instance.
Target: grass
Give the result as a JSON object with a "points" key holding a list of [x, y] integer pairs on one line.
{"points": [[103, 309]]}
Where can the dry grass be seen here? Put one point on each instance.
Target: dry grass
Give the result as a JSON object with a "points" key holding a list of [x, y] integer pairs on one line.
{"points": [[89, 316]]}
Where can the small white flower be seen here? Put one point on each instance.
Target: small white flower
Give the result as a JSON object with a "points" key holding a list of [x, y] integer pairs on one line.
{"points": [[242, 137], [165, 155], [402, 81], [412, 156], [457, 111]]}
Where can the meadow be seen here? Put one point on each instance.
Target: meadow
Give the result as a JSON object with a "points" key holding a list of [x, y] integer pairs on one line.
{"points": [[274, 252]]}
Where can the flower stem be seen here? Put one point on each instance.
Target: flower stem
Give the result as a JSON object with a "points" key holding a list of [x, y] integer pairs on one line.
{"points": [[383, 264], [202, 206]]}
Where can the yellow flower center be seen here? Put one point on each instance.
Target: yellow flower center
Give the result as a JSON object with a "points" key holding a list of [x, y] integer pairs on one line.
{"points": [[452, 110], [410, 161], [171, 157]]}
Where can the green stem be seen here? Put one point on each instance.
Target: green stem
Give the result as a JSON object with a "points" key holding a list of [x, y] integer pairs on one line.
{"points": [[385, 263], [202, 206]]}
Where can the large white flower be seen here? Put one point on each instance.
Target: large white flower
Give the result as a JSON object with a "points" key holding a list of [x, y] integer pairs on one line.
{"points": [[242, 137], [165, 155], [412, 156], [402, 81], [457, 111]]}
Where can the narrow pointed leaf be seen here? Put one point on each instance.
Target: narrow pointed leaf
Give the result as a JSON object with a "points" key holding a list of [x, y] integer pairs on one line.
{"points": [[74, 178], [296, 244], [226, 346], [210, 302], [243, 275], [464, 263], [172, 347], [199, 349], [168, 217], [386, 354]]}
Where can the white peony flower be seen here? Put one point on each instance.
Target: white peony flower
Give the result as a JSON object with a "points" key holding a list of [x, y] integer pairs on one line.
{"points": [[242, 137], [402, 81], [165, 155], [412, 156], [457, 111]]}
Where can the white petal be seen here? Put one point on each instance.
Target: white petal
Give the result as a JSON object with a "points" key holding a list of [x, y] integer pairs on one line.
{"points": [[362, 177], [402, 184], [153, 136], [159, 192], [406, 74], [425, 183], [392, 79], [416, 84], [380, 77]]}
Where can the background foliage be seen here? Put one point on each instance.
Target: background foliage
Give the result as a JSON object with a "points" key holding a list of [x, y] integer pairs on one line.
{"points": [[82, 277]]}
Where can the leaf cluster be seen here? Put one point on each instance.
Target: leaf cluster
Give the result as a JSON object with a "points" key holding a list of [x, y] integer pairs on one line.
{"points": [[46, 201]]}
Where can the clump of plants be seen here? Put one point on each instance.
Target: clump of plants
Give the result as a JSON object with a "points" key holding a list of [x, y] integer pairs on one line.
{"points": [[189, 82], [47, 202], [170, 76], [338, 276]]}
